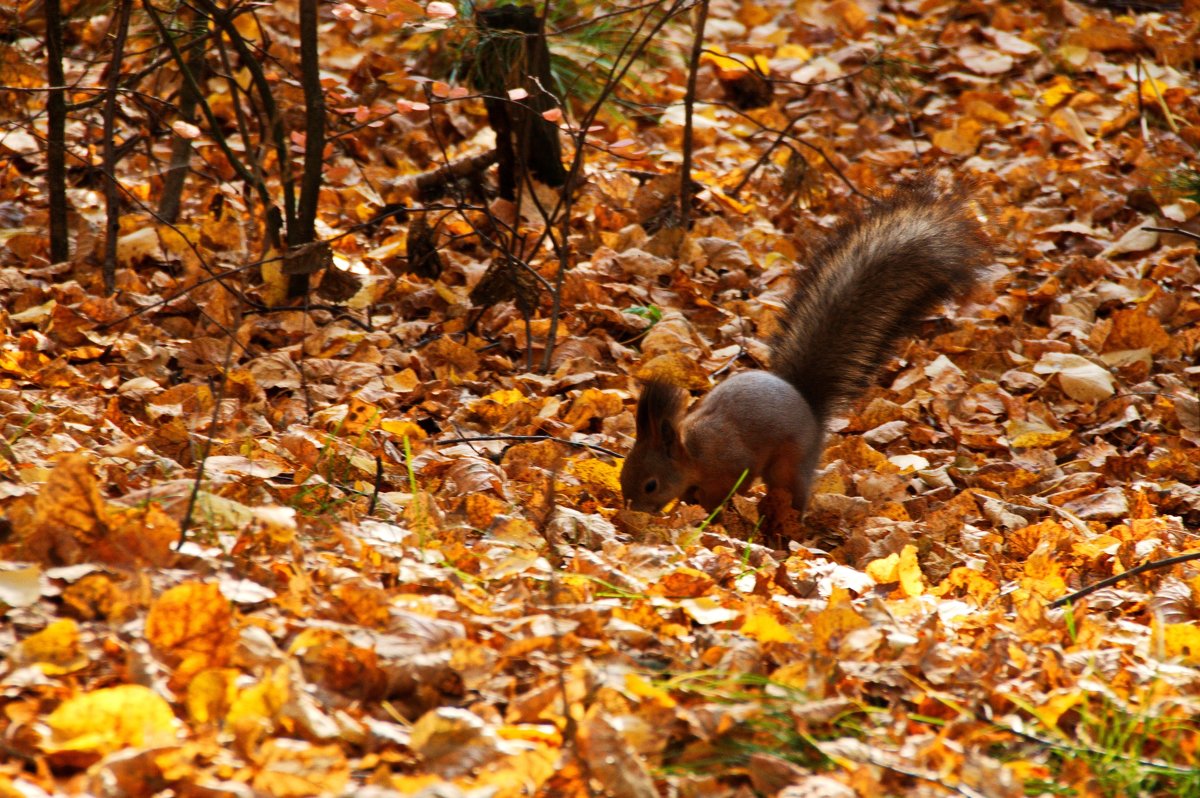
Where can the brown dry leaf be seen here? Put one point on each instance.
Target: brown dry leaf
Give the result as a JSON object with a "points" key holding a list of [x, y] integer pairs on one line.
{"points": [[192, 626], [1134, 328], [684, 583], [474, 474], [451, 360], [1079, 377], [453, 741], [361, 604], [591, 405], [676, 368], [611, 760], [359, 632], [69, 517], [962, 139], [360, 417], [835, 621], [1103, 35], [482, 510], [98, 596], [985, 60], [20, 587], [290, 768], [140, 535]]}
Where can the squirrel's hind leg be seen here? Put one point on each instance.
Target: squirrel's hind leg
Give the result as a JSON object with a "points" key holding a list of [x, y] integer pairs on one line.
{"points": [[787, 479]]}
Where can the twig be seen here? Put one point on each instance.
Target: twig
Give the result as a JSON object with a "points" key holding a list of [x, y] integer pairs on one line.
{"points": [[1179, 231], [213, 277], [1112, 580], [338, 311], [689, 101], [1105, 754], [378, 484], [453, 170], [523, 439], [218, 397], [754, 167]]}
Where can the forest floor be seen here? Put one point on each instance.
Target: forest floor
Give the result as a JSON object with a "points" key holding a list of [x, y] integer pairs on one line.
{"points": [[384, 589]]}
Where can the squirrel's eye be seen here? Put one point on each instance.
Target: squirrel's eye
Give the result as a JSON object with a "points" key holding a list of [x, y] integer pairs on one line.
{"points": [[651, 485]]}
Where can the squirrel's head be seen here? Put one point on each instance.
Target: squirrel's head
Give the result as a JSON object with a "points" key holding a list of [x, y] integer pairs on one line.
{"points": [[654, 473]]}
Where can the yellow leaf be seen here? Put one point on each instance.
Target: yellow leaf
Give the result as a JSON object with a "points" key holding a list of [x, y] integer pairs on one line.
{"points": [[1055, 706], [1057, 92], [912, 583], [545, 733], [274, 291], [405, 381], [885, 569], [360, 417], [1033, 435], [1182, 640], [111, 719], [975, 584], [796, 51], [210, 694], [592, 405], [597, 475], [402, 427], [509, 396], [55, 650], [255, 710], [762, 625], [639, 687], [962, 139], [730, 202], [752, 14], [1043, 578]]}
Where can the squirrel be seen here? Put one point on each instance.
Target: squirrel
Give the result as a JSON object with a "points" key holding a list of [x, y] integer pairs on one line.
{"points": [[868, 284]]}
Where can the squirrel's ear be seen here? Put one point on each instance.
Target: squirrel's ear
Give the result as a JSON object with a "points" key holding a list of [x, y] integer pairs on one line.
{"points": [[645, 421], [658, 411], [668, 434]]}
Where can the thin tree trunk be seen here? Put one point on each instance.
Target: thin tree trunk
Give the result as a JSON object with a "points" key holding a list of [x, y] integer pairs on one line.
{"points": [[112, 192], [56, 145], [181, 148], [314, 139], [685, 171]]}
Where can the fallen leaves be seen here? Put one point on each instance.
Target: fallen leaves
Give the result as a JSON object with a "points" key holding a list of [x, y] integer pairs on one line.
{"points": [[111, 719], [372, 596]]}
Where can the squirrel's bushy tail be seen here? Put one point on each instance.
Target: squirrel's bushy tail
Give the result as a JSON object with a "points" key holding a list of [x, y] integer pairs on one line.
{"points": [[870, 283]]}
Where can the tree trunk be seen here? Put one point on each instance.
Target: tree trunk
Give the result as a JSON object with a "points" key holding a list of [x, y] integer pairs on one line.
{"points": [[56, 145]]}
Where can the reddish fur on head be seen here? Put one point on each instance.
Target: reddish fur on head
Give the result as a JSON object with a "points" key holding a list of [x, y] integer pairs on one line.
{"points": [[653, 474]]}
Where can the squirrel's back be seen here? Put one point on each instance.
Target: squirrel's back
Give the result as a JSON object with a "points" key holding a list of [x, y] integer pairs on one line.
{"points": [[872, 280]]}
